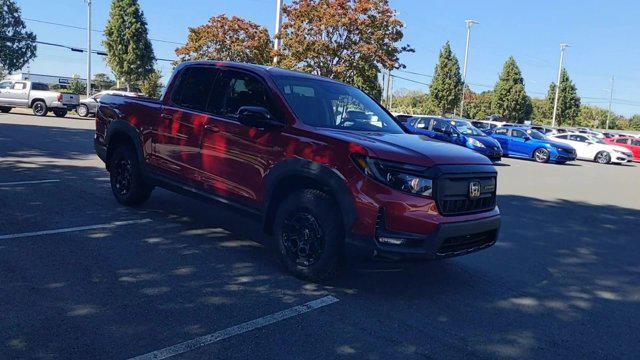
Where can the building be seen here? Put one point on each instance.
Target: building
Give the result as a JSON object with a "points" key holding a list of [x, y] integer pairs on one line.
{"points": [[62, 81]]}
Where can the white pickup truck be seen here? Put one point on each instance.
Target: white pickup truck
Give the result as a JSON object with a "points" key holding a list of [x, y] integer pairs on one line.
{"points": [[34, 95]]}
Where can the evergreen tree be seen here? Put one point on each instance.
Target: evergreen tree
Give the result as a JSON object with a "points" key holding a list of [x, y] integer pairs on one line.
{"points": [[17, 45], [509, 97], [568, 100], [130, 54], [151, 86], [77, 86], [446, 87]]}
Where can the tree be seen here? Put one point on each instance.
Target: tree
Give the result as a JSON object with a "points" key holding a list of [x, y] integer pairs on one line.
{"points": [[151, 86], [411, 102], [446, 86], [634, 122], [540, 113], [568, 100], [17, 44], [347, 40], [228, 39], [77, 86], [103, 82], [129, 51], [478, 106], [509, 97]]}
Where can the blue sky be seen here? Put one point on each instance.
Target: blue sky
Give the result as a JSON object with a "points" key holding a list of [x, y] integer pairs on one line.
{"points": [[603, 36]]}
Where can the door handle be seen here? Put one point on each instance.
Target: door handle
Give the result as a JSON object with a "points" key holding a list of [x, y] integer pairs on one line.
{"points": [[212, 128], [166, 116]]}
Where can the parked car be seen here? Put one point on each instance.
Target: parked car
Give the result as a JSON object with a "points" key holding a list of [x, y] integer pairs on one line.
{"points": [[544, 130], [459, 132], [592, 133], [36, 96], [316, 160], [527, 143], [591, 148], [89, 106], [629, 143], [486, 126], [609, 135], [562, 131]]}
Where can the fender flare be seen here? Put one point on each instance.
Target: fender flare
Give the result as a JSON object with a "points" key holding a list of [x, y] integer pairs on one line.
{"points": [[328, 179], [123, 127]]}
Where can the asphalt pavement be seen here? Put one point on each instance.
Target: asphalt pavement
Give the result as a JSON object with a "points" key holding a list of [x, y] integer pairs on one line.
{"points": [[82, 277]]}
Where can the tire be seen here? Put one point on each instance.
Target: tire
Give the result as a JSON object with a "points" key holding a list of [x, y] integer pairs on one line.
{"points": [[82, 110], [127, 183], [310, 214], [4, 109], [541, 155], [40, 108], [602, 157], [60, 112]]}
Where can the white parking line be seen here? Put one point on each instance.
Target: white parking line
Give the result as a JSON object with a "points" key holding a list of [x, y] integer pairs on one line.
{"points": [[29, 182], [236, 330], [72, 229]]}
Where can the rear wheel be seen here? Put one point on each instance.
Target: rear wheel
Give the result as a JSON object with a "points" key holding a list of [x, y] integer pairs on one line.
{"points": [[603, 157], [127, 184], [60, 112], [40, 108], [82, 110], [310, 235], [541, 155], [4, 109]]}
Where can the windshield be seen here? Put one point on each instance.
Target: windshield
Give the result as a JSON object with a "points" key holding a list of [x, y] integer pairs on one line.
{"points": [[465, 128], [536, 134], [596, 140], [327, 104]]}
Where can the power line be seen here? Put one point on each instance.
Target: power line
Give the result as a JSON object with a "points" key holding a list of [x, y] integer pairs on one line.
{"points": [[93, 30]]}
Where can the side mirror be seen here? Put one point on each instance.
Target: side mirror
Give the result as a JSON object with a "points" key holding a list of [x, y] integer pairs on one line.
{"points": [[527, 138], [257, 116]]}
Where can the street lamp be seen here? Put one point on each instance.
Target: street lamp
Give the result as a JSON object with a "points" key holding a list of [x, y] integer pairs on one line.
{"points": [[88, 47], [276, 41], [555, 101], [469, 23]]}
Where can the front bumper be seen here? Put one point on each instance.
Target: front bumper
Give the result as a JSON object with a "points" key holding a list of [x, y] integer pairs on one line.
{"points": [[448, 240]]}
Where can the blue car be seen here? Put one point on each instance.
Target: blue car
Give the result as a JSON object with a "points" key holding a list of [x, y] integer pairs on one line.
{"points": [[459, 132], [525, 142]]}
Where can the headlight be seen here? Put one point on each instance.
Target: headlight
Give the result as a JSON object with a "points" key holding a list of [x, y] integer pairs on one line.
{"points": [[403, 177], [475, 142]]}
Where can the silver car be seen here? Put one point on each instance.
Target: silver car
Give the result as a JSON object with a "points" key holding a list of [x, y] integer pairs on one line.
{"points": [[89, 106], [36, 96]]}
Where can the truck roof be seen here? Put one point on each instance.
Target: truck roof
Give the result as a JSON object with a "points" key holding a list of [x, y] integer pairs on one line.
{"points": [[263, 69]]}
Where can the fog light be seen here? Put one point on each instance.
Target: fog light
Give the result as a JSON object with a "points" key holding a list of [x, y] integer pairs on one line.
{"points": [[392, 241]]}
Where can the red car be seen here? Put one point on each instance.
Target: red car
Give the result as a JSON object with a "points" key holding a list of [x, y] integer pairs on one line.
{"points": [[628, 142], [320, 162]]}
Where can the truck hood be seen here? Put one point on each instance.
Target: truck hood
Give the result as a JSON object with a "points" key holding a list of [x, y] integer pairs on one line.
{"points": [[409, 148]]}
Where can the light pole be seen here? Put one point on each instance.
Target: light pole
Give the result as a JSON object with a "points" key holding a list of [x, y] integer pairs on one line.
{"points": [[276, 41], [88, 47], [555, 101], [469, 23], [610, 100]]}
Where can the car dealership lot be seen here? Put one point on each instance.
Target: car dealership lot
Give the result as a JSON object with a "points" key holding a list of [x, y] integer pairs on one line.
{"points": [[82, 277]]}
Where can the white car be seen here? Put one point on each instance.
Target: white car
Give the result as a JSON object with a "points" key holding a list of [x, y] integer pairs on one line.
{"points": [[590, 148]]}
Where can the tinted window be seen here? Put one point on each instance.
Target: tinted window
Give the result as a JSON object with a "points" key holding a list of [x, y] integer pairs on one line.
{"points": [[635, 142], [501, 132], [621, 141], [579, 138], [5, 85], [561, 137], [39, 86], [19, 86], [238, 89], [194, 88], [441, 126], [518, 134], [422, 123]]}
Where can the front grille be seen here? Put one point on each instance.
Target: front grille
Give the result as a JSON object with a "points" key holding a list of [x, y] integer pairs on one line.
{"points": [[453, 194], [466, 243]]}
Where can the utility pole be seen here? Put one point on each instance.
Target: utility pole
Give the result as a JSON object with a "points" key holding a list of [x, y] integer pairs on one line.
{"points": [[555, 101], [469, 23], [88, 47], [386, 95], [610, 100], [390, 92], [276, 41]]}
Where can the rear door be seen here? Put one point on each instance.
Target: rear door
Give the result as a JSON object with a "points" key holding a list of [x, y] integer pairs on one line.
{"points": [[583, 149], [177, 133]]}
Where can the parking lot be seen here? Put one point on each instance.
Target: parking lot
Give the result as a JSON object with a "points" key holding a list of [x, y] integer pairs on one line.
{"points": [[82, 277]]}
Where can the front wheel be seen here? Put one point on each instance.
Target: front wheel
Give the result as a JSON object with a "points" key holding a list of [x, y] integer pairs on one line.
{"points": [[603, 157], [40, 108], [82, 110], [4, 109], [127, 184], [541, 155], [60, 112], [310, 235]]}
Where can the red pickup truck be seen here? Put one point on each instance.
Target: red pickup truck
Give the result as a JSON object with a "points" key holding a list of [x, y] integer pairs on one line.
{"points": [[322, 163]]}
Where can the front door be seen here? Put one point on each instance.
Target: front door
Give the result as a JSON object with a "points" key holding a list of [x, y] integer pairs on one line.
{"points": [[518, 143]]}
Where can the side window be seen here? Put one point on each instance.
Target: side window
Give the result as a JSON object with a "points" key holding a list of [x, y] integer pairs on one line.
{"points": [[501, 132], [441, 126], [635, 142], [19, 86], [518, 134], [5, 85], [238, 89], [39, 86], [422, 123], [564, 137], [621, 141], [578, 138], [194, 88]]}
